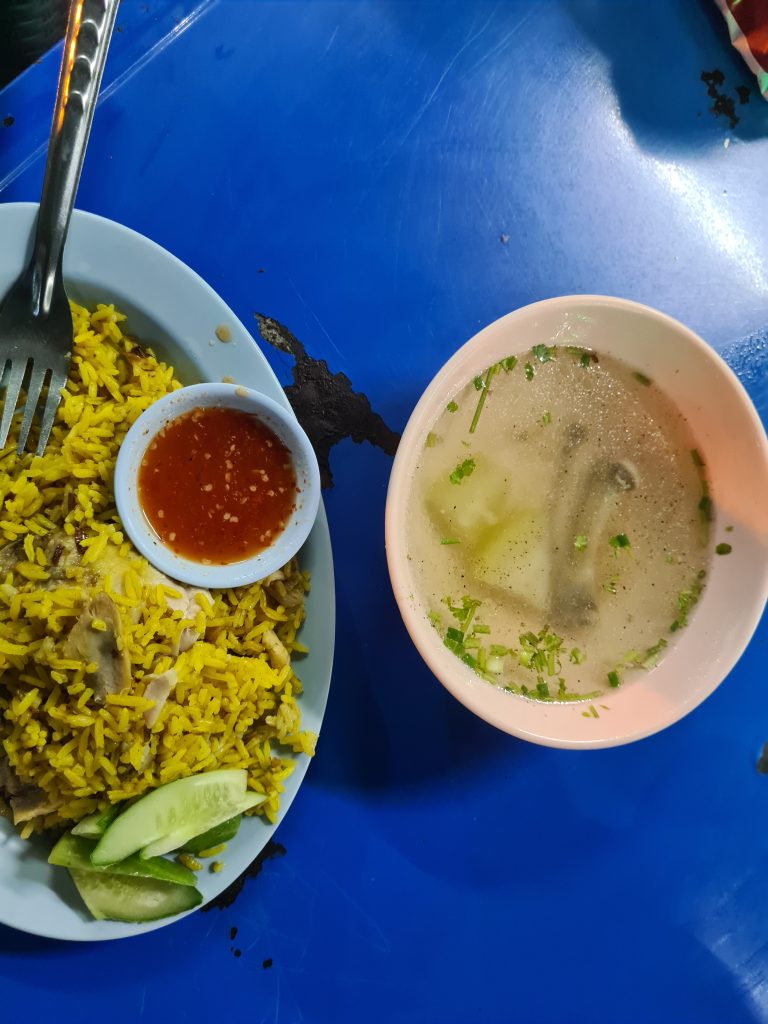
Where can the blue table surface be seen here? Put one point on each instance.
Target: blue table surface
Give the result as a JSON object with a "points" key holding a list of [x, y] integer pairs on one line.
{"points": [[384, 178]]}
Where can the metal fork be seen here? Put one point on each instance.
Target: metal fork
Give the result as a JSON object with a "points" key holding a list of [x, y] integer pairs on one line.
{"points": [[35, 319]]}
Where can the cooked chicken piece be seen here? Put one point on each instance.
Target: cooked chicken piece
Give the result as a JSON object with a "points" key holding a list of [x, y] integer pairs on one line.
{"points": [[33, 803], [93, 644], [289, 595], [158, 689], [278, 655], [10, 783], [26, 802]]}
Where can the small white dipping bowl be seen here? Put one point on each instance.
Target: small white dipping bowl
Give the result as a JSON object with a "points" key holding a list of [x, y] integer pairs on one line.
{"points": [[732, 440], [138, 527]]}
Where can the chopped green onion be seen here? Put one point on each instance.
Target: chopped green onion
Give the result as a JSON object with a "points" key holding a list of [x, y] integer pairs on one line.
{"points": [[697, 459], [613, 679], [434, 618], [686, 601], [528, 371], [723, 549], [546, 419], [508, 364], [450, 540], [542, 353], [484, 385], [478, 382], [542, 689], [610, 586], [497, 651], [431, 441], [580, 541], [642, 379], [452, 407], [465, 468], [576, 657], [454, 634], [729, 529], [593, 711], [586, 359], [621, 540], [481, 629]]}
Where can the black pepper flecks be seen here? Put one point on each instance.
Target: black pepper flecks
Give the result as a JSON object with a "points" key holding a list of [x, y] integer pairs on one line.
{"points": [[232, 933], [266, 964], [325, 403], [724, 105], [230, 894]]}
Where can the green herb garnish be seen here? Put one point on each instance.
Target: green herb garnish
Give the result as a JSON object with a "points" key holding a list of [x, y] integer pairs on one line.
{"points": [[729, 529], [484, 385], [452, 406], [642, 379], [546, 419], [509, 363], [465, 468], [478, 382], [431, 441], [580, 541], [542, 352], [449, 540], [528, 371], [687, 600], [723, 549], [542, 690], [621, 540], [613, 679], [576, 657], [434, 618]]}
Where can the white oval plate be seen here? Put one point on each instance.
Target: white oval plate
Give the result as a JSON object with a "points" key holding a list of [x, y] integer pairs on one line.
{"points": [[174, 311]]}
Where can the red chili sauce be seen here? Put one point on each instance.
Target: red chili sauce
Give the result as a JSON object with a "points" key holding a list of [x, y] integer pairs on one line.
{"points": [[217, 485]]}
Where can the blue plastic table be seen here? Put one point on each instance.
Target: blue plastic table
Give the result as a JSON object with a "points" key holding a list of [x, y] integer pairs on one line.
{"points": [[383, 178]]}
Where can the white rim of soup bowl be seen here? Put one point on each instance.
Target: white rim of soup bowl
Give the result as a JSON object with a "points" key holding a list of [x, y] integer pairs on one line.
{"points": [[229, 396], [544, 721]]}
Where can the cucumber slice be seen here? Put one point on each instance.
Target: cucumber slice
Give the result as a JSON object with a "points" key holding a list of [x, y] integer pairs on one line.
{"points": [[95, 825], [74, 852], [175, 840], [187, 807], [214, 836], [112, 897]]}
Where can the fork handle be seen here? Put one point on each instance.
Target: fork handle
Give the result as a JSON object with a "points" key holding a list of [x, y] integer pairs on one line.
{"points": [[85, 52]]}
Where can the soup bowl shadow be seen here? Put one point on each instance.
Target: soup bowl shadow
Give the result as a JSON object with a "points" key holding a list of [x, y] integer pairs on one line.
{"points": [[730, 437]]}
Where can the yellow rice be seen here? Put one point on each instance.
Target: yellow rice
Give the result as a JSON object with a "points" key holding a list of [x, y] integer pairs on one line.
{"points": [[230, 707]]}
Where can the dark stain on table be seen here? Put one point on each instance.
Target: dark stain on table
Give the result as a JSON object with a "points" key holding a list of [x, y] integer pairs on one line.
{"points": [[724, 105], [325, 403], [8, 121], [266, 964], [229, 895], [762, 761], [743, 93]]}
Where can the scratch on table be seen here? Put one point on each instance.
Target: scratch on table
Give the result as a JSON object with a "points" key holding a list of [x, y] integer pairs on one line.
{"points": [[316, 318], [427, 103], [331, 41], [503, 42], [143, 1000]]}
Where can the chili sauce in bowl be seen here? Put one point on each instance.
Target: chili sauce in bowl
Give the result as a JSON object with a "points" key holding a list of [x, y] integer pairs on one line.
{"points": [[217, 485]]}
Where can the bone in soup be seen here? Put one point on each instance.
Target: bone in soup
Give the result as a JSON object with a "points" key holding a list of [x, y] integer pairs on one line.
{"points": [[559, 524]]}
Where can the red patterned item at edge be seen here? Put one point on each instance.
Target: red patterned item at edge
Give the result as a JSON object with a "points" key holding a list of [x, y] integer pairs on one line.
{"points": [[748, 25]]}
